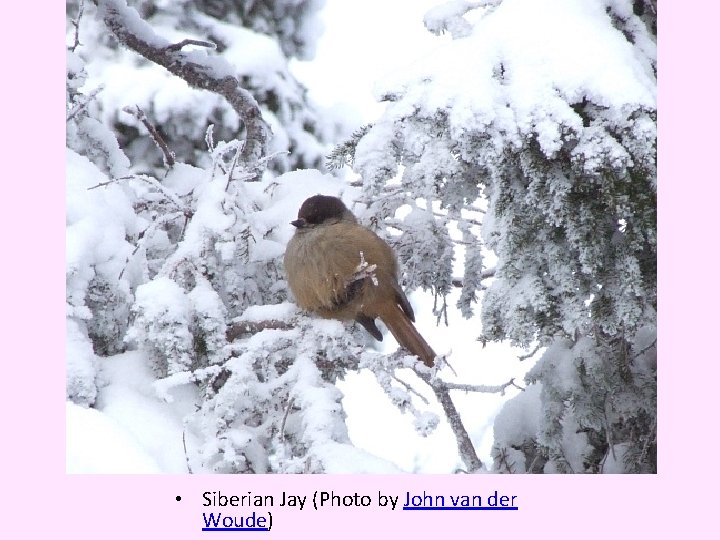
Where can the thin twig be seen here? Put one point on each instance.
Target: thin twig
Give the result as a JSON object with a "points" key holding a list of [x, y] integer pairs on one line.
{"points": [[232, 166], [285, 416], [184, 42], [143, 235], [411, 390], [465, 446], [645, 349], [481, 388], [503, 459], [169, 195], [187, 458], [532, 353], [76, 23], [168, 155], [80, 105], [111, 181]]}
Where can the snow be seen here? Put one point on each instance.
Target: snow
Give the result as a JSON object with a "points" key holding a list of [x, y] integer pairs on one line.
{"points": [[97, 445], [131, 429], [266, 57], [122, 395], [288, 193], [518, 67], [520, 418], [182, 179], [80, 365], [449, 17], [97, 224], [395, 438], [521, 85], [362, 42], [275, 312]]}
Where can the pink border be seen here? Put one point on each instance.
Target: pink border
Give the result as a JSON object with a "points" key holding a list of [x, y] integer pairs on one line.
{"points": [[41, 501]]}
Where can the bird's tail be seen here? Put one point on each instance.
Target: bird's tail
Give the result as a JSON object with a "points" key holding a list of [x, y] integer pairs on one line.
{"points": [[406, 334]]}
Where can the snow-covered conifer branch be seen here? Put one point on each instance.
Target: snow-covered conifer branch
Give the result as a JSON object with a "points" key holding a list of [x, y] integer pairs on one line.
{"points": [[344, 153], [198, 70]]}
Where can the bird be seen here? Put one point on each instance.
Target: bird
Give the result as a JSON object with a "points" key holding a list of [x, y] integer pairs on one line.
{"points": [[339, 269]]}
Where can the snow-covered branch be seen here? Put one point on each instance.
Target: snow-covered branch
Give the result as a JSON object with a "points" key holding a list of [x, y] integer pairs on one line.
{"points": [[195, 68], [245, 328], [82, 103], [482, 388]]}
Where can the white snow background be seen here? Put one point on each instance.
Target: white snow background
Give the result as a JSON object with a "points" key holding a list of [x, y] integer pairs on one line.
{"points": [[133, 430]]}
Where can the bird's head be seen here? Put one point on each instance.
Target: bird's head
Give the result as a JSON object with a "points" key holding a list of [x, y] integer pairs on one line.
{"points": [[322, 210]]}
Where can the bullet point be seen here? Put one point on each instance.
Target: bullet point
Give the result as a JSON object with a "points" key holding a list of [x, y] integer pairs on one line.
{"points": [[178, 498]]}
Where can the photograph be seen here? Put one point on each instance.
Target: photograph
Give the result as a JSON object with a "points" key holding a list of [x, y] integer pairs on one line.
{"points": [[361, 238]]}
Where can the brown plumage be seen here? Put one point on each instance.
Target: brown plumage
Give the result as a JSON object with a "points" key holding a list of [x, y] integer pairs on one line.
{"points": [[322, 264]]}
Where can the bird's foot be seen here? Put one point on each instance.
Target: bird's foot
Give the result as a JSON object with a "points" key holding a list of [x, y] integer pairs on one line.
{"points": [[364, 270]]}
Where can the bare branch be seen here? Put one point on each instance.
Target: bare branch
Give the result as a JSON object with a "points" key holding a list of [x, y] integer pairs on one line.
{"points": [[76, 23], [465, 446], [103, 184], [645, 349], [532, 353], [169, 195], [411, 389], [203, 72], [187, 458], [485, 389], [184, 42], [503, 460], [168, 155]]}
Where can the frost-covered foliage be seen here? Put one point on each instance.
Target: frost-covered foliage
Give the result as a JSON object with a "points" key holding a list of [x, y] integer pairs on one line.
{"points": [[99, 223], [532, 134], [273, 407], [539, 120], [186, 265], [257, 38]]}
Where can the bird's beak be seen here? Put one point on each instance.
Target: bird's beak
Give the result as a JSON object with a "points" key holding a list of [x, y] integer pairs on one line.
{"points": [[299, 223]]}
